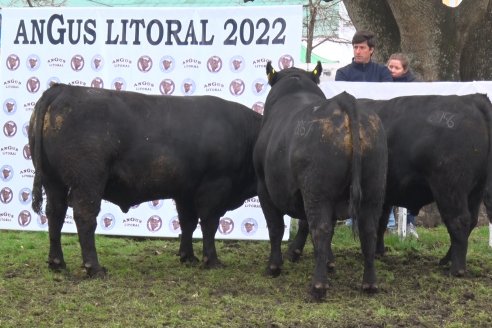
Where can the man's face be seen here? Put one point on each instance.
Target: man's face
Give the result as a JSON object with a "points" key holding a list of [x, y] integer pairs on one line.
{"points": [[362, 52]]}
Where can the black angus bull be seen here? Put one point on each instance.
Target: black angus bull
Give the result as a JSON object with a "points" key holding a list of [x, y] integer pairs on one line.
{"points": [[439, 149], [313, 158], [91, 144]]}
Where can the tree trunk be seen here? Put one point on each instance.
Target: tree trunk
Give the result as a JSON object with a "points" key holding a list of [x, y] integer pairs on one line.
{"points": [[443, 44]]}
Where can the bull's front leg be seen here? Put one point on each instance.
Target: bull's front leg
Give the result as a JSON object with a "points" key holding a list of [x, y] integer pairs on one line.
{"points": [[188, 221], [209, 229]]}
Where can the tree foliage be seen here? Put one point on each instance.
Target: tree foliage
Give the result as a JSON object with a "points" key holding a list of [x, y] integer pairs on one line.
{"points": [[443, 43]]}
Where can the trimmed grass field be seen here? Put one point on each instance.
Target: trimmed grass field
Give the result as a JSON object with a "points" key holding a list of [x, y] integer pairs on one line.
{"points": [[147, 286]]}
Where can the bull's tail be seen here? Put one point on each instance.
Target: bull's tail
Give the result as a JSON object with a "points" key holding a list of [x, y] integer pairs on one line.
{"points": [[348, 102], [486, 108], [35, 137]]}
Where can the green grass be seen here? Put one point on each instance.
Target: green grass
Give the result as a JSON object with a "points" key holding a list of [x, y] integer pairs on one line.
{"points": [[147, 286]]}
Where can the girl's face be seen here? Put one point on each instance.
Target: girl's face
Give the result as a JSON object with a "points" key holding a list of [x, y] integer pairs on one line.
{"points": [[396, 68]]}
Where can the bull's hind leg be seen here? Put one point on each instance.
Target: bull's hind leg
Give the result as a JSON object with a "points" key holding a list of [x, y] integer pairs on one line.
{"points": [[474, 202], [368, 225], [275, 223], [296, 247], [86, 204], [457, 218], [56, 209], [320, 219], [188, 220], [382, 224]]}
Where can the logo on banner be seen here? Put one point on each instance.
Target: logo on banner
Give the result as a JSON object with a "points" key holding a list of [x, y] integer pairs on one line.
{"points": [[191, 63], [118, 84], [258, 107], [259, 87], [249, 226], [6, 217], [42, 220], [9, 129], [252, 202], [121, 62], [236, 87], [25, 129], [7, 173], [132, 222], [77, 82], [285, 61], [56, 62], [10, 106], [27, 173], [26, 152], [9, 151], [25, 196], [52, 81], [166, 87], [213, 86], [97, 82], [6, 195], [236, 64], [29, 106], [144, 64], [156, 204], [214, 64], [77, 63], [260, 62], [174, 225], [167, 64], [33, 84], [33, 62], [143, 86], [97, 63], [13, 62], [154, 223], [24, 218], [107, 221], [188, 87], [226, 226]]}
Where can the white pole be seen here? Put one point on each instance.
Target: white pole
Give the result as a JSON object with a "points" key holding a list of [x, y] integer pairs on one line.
{"points": [[490, 234], [402, 222]]}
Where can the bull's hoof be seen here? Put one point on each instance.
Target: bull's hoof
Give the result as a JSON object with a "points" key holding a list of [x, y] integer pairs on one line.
{"points": [[212, 263], [444, 261], [96, 273], [189, 260], [330, 266], [318, 292], [370, 288], [56, 265], [458, 273], [293, 255], [273, 270]]}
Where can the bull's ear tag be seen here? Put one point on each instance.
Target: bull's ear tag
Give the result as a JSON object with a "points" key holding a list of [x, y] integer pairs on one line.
{"points": [[315, 72], [271, 74]]}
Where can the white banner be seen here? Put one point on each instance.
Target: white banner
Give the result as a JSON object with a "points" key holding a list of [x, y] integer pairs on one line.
{"points": [[180, 51]]}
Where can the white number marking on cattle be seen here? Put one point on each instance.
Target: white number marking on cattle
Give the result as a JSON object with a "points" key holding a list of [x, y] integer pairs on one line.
{"points": [[445, 118], [303, 128]]}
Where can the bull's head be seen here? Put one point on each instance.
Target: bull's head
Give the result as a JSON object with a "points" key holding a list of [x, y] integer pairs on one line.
{"points": [[273, 75]]}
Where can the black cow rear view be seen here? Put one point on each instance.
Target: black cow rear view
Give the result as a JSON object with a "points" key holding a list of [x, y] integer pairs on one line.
{"points": [[440, 149], [314, 158], [91, 144]]}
